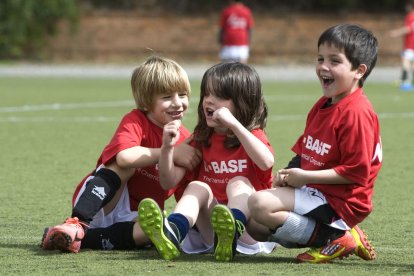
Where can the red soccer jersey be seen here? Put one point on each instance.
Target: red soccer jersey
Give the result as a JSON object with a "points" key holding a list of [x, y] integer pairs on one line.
{"points": [[409, 38], [235, 21], [344, 137], [136, 130], [221, 164]]}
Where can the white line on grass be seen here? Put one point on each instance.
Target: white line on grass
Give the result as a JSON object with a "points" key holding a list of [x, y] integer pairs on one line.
{"points": [[59, 106], [128, 103], [85, 119], [104, 119]]}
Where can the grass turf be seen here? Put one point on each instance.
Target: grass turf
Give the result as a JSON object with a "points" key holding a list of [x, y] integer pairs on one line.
{"points": [[53, 130]]}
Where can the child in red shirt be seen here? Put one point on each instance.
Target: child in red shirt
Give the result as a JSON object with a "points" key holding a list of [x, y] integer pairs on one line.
{"points": [[327, 188], [106, 200], [237, 160]]}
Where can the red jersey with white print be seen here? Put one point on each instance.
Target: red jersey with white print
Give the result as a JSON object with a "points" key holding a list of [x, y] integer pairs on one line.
{"points": [[345, 137], [134, 130], [409, 38], [235, 21], [221, 164]]}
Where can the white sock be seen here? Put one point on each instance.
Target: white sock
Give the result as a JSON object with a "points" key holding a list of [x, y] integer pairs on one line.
{"points": [[297, 229]]}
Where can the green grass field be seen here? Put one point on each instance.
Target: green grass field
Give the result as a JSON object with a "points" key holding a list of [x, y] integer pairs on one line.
{"points": [[53, 130]]}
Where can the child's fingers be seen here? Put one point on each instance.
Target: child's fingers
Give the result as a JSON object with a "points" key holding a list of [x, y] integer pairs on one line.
{"points": [[284, 171]]}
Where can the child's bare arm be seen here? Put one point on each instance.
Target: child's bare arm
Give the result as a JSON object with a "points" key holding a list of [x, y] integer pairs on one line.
{"points": [[296, 177], [169, 174], [137, 157], [399, 32], [257, 151]]}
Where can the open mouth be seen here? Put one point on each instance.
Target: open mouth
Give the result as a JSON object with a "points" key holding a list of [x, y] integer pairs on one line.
{"points": [[209, 112], [175, 114], [327, 80]]}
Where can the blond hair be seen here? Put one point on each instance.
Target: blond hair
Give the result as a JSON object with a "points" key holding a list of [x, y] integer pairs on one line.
{"points": [[157, 75]]}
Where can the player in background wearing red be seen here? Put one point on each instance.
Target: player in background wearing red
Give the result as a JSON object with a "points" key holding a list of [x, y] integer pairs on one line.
{"points": [[236, 23], [237, 160], [327, 188], [407, 55], [105, 202]]}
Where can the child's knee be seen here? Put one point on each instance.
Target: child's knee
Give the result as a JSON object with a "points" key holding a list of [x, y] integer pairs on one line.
{"points": [[256, 204], [239, 184]]}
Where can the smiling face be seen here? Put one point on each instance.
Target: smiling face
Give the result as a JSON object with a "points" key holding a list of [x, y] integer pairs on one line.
{"points": [[335, 72], [168, 107]]}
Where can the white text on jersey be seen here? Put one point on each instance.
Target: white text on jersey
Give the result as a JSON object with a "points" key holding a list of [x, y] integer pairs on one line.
{"points": [[231, 166], [315, 145]]}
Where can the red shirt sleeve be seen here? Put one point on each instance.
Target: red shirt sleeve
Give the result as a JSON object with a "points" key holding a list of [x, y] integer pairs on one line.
{"points": [[128, 134]]}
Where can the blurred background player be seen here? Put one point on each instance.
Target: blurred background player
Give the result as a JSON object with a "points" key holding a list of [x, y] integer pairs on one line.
{"points": [[236, 22], [407, 55]]}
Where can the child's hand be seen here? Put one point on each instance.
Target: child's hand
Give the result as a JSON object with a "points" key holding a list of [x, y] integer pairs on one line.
{"points": [[171, 133], [278, 181], [294, 177], [187, 156], [224, 117]]}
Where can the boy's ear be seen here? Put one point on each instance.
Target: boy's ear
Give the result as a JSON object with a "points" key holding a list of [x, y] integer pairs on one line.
{"points": [[361, 70]]}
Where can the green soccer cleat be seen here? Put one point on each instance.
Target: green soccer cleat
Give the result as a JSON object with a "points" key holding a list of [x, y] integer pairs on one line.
{"points": [[227, 230], [163, 234]]}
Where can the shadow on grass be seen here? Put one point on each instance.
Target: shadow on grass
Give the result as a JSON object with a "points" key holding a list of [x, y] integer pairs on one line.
{"points": [[151, 254]]}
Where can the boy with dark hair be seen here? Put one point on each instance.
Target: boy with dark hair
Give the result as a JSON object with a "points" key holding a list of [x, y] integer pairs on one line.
{"points": [[326, 190]]}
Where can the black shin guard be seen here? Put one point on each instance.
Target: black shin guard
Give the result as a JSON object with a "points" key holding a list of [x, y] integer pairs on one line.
{"points": [[98, 192], [118, 236]]}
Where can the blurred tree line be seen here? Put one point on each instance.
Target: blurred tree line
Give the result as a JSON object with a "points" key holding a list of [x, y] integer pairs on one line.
{"points": [[26, 24], [271, 6]]}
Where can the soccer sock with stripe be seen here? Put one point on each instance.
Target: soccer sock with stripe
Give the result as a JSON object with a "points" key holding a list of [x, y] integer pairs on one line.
{"points": [[182, 224], [118, 236]]}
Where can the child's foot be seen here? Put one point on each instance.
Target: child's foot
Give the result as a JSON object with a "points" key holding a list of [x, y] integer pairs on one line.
{"points": [[227, 231], [406, 86], [339, 248], [65, 237], [163, 234], [364, 249]]}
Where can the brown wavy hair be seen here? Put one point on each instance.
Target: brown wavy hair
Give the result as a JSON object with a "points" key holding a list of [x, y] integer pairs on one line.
{"points": [[237, 82]]}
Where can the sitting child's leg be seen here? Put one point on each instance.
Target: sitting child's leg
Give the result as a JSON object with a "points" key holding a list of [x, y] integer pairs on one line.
{"points": [[168, 233], [229, 222], [98, 191], [164, 235]]}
